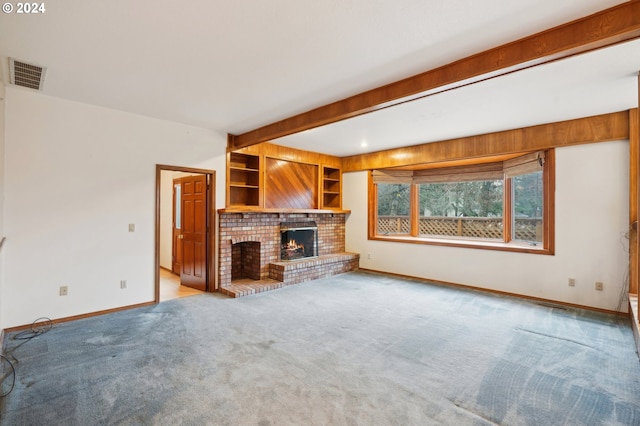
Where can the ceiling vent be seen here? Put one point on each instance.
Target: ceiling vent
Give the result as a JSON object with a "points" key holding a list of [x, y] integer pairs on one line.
{"points": [[26, 75]]}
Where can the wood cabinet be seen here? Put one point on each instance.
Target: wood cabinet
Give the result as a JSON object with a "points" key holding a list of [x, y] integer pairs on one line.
{"points": [[243, 180], [268, 177], [331, 188]]}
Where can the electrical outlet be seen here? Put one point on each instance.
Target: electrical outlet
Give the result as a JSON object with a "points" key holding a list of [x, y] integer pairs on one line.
{"points": [[123, 283], [64, 290], [132, 227], [572, 282], [599, 286], [368, 255]]}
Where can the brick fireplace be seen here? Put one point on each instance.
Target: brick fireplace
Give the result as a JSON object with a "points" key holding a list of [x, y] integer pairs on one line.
{"points": [[251, 247]]}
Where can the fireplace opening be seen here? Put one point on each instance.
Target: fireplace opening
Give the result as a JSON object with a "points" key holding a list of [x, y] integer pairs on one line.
{"points": [[245, 260], [298, 240]]}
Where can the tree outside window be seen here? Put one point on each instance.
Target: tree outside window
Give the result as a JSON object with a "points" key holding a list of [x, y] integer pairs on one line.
{"points": [[394, 203], [528, 207]]}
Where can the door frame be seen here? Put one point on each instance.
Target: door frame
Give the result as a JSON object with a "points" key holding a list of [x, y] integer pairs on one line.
{"points": [[212, 283]]}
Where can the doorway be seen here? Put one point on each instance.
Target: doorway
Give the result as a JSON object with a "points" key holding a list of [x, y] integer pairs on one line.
{"points": [[185, 228]]}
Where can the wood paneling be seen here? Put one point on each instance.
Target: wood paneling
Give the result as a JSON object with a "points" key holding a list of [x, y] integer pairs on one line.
{"points": [[292, 154], [606, 127], [290, 185], [605, 28], [458, 163]]}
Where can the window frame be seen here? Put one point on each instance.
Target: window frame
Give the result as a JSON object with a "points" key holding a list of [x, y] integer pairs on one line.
{"points": [[508, 244]]}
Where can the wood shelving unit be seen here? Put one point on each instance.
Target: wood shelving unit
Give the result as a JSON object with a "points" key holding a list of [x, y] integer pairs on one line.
{"points": [[243, 178], [267, 177], [331, 188]]}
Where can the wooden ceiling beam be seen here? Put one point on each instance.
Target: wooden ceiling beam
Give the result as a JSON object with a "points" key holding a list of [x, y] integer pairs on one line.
{"points": [[605, 28]]}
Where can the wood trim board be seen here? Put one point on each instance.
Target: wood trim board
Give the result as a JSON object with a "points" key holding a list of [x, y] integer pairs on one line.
{"points": [[81, 316], [502, 293], [599, 128]]}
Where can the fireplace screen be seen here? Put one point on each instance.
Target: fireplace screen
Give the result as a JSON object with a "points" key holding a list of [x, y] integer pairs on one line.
{"points": [[298, 240]]}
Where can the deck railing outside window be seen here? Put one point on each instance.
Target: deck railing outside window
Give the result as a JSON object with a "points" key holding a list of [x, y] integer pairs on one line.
{"points": [[526, 229]]}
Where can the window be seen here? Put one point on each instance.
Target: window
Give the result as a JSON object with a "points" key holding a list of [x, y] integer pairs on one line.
{"points": [[527, 207], [501, 205], [394, 203], [462, 209]]}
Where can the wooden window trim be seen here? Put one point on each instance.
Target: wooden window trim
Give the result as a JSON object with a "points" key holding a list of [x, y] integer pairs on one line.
{"points": [[507, 213], [414, 212], [507, 245]]}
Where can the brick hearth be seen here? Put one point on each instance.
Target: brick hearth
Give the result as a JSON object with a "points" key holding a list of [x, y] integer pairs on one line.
{"points": [[256, 235]]}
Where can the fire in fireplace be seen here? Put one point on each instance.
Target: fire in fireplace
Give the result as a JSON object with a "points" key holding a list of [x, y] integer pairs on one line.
{"points": [[298, 240]]}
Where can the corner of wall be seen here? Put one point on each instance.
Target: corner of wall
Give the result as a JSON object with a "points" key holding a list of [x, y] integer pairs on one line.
{"points": [[2, 121]]}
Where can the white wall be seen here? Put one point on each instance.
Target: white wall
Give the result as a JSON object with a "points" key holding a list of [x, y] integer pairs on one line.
{"points": [[2, 162], [76, 175], [592, 208]]}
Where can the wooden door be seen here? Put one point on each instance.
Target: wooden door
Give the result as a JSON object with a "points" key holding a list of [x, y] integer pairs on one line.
{"points": [[194, 232], [176, 251]]}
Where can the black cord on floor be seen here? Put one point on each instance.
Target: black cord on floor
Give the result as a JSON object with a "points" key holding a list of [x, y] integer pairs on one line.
{"points": [[12, 372], [38, 327]]}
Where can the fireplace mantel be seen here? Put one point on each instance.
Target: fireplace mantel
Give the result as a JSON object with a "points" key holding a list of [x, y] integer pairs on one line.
{"points": [[283, 211]]}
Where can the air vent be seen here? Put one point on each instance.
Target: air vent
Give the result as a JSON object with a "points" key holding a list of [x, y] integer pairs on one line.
{"points": [[26, 75]]}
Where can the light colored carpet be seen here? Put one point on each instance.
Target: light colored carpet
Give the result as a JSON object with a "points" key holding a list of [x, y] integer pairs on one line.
{"points": [[356, 349]]}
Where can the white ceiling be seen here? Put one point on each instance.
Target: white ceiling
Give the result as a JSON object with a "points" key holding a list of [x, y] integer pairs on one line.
{"points": [[234, 66], [594, 83]]}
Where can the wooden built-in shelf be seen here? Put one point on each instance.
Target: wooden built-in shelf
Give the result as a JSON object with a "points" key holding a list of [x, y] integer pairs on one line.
{"points": [[331, 188], [273, 178], [243, 177]]}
